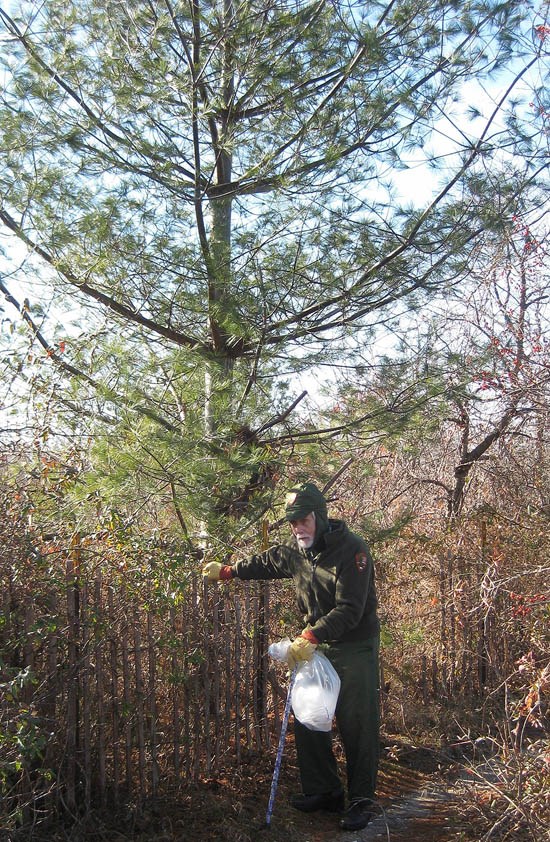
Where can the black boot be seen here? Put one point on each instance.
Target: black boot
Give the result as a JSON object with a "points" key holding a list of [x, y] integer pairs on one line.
{"points": [[332, 802], [358, 815]]}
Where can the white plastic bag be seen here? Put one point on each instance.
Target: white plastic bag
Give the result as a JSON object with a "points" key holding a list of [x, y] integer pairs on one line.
{"points": [[315, 690]]}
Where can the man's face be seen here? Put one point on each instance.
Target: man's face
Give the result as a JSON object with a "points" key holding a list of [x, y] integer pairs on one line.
{"points": [[304, 530]]}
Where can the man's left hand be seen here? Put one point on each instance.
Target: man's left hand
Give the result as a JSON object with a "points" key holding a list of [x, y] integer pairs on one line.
{"points": [[300, 650]]}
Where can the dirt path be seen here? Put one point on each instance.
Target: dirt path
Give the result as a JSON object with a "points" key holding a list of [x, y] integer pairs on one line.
{"points": [[414, 806], [421, 816]]}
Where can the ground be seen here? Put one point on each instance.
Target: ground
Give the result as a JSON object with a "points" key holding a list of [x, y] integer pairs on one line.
{"points": [[419, 801]]}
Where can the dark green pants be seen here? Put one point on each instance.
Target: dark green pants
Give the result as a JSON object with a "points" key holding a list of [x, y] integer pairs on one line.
{"points": [[358, 718]]}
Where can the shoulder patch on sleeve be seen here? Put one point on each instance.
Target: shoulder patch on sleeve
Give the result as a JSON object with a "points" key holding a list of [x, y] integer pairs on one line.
{"points": [[361, 561]]}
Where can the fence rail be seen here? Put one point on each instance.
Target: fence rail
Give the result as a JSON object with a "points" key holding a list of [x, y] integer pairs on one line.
{"points": [[115, 695]]}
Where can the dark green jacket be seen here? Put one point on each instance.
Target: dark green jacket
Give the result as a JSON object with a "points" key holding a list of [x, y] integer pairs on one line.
{"points": [[334, 582]]}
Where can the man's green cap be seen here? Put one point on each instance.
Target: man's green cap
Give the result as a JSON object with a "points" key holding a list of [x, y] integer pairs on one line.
{"points": [[302, 500]]}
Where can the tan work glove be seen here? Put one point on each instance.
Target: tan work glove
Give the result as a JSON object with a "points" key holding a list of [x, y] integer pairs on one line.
{"points": [[300, 650], [216, 572]]}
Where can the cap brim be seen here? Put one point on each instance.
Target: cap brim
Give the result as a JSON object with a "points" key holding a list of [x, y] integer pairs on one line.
{"points": [[297, 513]]}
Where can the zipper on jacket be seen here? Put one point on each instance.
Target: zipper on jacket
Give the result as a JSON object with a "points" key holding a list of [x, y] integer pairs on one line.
{"points": [[314, 563]]}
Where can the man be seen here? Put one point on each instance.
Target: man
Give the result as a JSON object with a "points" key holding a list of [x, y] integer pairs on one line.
{"points": [[333, 575]]}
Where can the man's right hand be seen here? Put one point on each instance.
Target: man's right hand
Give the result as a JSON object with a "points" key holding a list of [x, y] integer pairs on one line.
{"points": [[216, 572], [211, 571]]}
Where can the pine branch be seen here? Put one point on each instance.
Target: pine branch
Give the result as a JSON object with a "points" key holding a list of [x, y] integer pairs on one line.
{"points": [[180, 339], [68, 368], [112, 135]]}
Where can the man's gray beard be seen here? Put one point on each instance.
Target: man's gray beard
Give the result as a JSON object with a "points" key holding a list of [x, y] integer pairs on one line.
{"points": [[305, 543]]}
